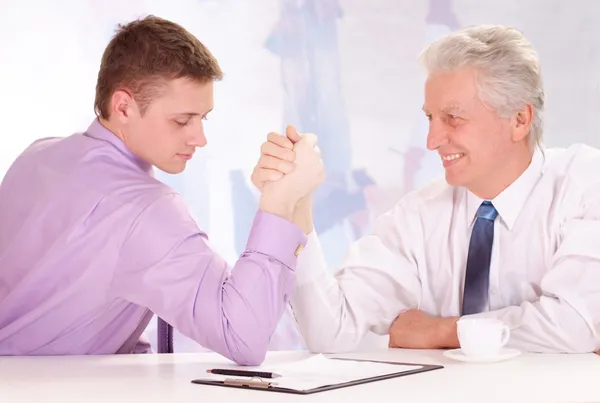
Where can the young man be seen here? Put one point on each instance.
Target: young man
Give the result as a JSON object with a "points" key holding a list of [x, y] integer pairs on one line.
{"points": [[512, 233], [91, 245]]}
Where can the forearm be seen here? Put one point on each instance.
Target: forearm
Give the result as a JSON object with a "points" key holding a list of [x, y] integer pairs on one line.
{"points": [[323, 319], [334, 312], [318, 304], [253, 299], [188, 285], [254, 296]]}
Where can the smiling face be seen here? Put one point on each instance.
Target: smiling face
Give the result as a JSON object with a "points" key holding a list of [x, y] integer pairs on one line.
{"points": [[170, 129], [479, 149]]}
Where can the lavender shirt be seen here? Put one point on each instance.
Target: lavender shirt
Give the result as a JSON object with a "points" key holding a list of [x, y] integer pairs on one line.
{"points": [[91, 246]]}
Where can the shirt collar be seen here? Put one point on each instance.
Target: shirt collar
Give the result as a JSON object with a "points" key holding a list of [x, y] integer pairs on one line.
{"points": [[510, 202], [97, 131]]}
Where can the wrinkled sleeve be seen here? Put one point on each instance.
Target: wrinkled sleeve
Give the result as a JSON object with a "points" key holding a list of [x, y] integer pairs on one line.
{"points": [[167, 265], [377, 280]]}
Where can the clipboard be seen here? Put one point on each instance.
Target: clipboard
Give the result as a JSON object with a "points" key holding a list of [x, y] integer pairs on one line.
{"points": [[270, 385]]}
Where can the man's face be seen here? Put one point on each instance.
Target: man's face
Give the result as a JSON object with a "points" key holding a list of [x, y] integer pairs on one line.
{"points": [[473, 142], [171, 129]]}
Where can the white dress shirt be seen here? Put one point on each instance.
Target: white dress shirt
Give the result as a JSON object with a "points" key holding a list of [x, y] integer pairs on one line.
{"points": [[544, 272]]}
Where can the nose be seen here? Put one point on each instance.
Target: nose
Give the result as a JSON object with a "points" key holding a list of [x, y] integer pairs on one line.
{"points": [[198, 139], [437, 135]]}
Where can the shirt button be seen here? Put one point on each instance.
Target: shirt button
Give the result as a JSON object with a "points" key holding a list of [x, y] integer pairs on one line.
{"points": [[299, 249]]}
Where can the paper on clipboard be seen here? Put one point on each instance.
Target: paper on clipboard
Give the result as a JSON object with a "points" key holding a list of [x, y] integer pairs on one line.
{"points": [[319, 371]]}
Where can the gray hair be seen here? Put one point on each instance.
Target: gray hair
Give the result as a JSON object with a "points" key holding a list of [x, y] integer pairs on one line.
{"points": [[509, 66]]}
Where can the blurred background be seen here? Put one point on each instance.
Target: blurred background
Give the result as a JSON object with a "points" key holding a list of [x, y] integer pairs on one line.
{"points": [[344, 69]]}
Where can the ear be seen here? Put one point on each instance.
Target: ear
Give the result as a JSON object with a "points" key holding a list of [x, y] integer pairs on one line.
{"points": [[123, 106], [522, 123]]}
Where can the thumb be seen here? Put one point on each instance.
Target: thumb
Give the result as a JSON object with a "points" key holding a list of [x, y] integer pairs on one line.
{"points": [[292, 134]]}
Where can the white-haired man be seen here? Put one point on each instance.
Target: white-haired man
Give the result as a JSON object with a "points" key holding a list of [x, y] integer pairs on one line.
{"points": [[513, 232]]}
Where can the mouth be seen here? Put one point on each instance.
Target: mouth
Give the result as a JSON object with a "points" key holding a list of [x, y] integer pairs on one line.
{"points": [[185, 156], [450, 159]]}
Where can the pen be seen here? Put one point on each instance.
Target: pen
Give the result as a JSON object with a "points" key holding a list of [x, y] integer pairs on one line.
{"points": [[239, 372]]}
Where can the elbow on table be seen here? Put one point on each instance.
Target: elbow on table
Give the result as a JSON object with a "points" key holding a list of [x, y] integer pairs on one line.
{"points": [[248, 354]]}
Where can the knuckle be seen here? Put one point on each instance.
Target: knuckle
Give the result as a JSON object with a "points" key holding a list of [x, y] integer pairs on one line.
{"points": [[264, 161], [279, 152]]}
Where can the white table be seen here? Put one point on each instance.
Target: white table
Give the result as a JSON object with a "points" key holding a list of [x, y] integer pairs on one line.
{"points": [[166, 378]]}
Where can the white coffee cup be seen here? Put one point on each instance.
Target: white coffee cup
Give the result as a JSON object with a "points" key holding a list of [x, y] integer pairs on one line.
{"points": [[482, 337]]}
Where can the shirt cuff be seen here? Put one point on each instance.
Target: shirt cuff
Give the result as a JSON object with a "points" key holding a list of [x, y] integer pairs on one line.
{"points": [[276, 237], [311, 262]]}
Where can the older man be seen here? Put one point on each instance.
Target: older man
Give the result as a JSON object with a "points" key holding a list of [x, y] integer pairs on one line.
{"points": [[513, 232]]}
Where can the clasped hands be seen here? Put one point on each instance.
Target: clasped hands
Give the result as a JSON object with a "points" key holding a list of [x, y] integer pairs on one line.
{"points": [[288, 171]]}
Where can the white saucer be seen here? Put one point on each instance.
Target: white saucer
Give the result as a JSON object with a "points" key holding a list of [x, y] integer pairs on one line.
{"points": [[503, 355]]}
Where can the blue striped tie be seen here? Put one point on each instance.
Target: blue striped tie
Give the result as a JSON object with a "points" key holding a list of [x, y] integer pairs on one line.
{"points": [[477, 279]]}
